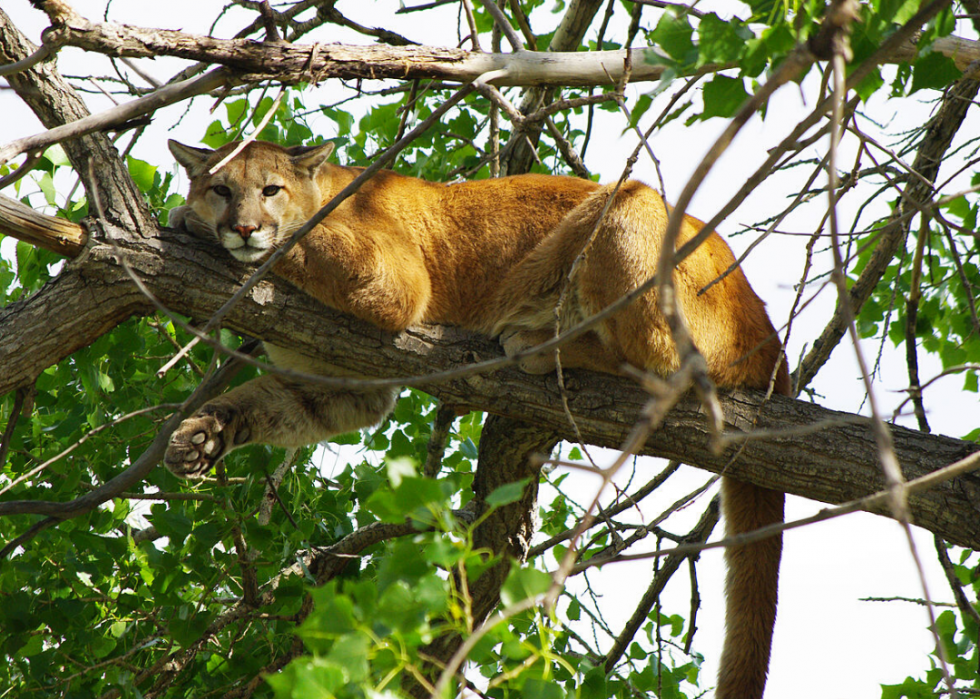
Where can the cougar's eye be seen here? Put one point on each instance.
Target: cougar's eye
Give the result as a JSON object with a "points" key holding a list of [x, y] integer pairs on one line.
{"points": [[221, 190], [271, 190]]}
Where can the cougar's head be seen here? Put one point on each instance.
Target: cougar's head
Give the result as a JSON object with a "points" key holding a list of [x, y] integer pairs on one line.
{"points": [[255, 201]]}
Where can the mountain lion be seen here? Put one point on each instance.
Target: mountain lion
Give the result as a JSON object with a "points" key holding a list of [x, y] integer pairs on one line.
{"points": [[489, 255]]}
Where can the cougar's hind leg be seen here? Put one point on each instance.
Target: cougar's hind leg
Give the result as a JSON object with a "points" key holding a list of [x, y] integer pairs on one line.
{"points": [[596, 256], [623, 255], [271, 410]]}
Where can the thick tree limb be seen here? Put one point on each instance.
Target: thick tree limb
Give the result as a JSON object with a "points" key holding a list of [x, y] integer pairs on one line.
{"points": [[74, 309], [294, 63], [290, 64], [834, 463]]}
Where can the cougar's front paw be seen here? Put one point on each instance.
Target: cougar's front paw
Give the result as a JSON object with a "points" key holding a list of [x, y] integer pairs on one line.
{"points": [[177, 217], [516, 341], [199, 442]]}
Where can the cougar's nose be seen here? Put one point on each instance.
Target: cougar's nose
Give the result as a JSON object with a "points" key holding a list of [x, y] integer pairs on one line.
{"points": [[245, 231]]}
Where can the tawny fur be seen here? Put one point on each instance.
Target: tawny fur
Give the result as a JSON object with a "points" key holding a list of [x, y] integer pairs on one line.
{"points": [[493, 256]]}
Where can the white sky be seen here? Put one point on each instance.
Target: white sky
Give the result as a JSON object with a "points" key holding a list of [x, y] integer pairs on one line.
{"points": [[828, 644]]}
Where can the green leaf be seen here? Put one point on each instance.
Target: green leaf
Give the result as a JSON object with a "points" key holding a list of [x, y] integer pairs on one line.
{"points": [[333, 615], [960, 208], [343, 120], [540, 689], [403, 563], [674, 35], [897, 11], [508, 493], [413, 497], [441, 551], [762, 9], [33, 646], [308, 678], [216, 135], [399, 469], [469, 448], [56, 156], [910, 688], [142, 173], [188, 626], [970, 382], [106, 383], [642, 105], [350, 653], [236, 112], [946, 624], [594, 685], [399, 609], [721, 41], [770, 47], [522, 583], [933, 72], [46, 183], [574, 612], [723, 96]]}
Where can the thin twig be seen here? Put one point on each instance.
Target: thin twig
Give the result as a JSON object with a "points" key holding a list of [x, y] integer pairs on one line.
{"points": [[45, 50], [868, 503], [513, 38], [682, 9], [168, 95], [911, 322], [630, 501], [29, 162], [445, 415], [699, 534], [271, 495], [962, 602], [21, 396]]}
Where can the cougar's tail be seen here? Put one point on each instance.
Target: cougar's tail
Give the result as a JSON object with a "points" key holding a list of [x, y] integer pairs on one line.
{"points": [[753, 575]]}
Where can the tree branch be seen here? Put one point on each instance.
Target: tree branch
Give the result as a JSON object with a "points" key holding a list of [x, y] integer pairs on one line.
{"points": [[836, 462], [918, 192], [698, 535], [93, 155], [253, 61], [55, 234], [158, 99], [288, 63]]}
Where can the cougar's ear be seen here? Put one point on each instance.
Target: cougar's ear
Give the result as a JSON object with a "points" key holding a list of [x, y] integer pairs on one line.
{"points": [[192, 159], [310, 157]]}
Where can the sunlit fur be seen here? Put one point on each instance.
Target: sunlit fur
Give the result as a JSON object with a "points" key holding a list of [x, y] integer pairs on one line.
{"points": [[493, 256]]}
